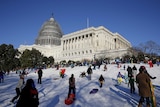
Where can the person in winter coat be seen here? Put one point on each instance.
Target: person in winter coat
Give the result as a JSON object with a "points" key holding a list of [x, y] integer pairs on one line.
{"points": [[124, 67], [126, 78], [134, 71], [71, 85], [89, 71], [40, 72], [119, 78], [143, 83], [105, 67], [131, 79], [101, 80], [1, 76], [18, 87], [29, 95]]}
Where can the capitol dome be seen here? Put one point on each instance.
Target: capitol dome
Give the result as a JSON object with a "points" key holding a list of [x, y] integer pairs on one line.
{"points": [[49, 34]]}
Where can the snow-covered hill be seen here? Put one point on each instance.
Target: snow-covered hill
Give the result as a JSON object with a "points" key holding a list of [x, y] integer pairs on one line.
{"points": [[54, 89]]}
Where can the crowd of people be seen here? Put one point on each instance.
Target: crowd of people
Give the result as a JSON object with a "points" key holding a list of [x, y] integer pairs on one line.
{"points": [[27, 94], [142, 80]]}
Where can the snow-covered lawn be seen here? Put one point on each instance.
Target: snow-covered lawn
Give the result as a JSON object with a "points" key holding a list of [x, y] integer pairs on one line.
{"points": [[54, 90]]}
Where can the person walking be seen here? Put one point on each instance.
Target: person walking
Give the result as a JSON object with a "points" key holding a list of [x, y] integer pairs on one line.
{"points": [[143, 82], [1, 76], [71, 85], [40, 72], [124, 67], [101, 80], [134, 71], [29, 95], [18, 87], [105, 67], [131, 79], [89, 71]]}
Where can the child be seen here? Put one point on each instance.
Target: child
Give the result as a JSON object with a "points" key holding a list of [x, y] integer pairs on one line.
{"points": [[119, 78], [101, 80]]}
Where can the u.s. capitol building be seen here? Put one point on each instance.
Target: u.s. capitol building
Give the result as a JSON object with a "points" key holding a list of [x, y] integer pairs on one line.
{"points": [[89, 43]]}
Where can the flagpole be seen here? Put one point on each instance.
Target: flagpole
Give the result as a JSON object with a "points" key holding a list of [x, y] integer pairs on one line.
{"points": [[87, 22]]}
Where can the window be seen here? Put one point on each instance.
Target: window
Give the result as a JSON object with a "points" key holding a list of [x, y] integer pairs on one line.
{"points": [[90, 34]]}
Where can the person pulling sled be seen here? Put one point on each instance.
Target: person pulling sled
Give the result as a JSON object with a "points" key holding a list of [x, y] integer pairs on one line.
{"points": [[71, 96]]}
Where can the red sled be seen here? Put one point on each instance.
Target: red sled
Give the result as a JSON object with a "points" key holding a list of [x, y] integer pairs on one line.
{"points": [[69, 100]]}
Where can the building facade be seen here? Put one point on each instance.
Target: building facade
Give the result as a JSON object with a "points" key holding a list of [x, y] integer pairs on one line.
{"points": [[89, 43]]}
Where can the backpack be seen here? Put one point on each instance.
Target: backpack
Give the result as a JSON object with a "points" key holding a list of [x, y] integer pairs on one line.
{"points": [[34, 96]]}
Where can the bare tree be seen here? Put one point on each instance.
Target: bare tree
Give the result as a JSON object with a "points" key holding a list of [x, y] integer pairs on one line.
{"points": [[150, 47]]}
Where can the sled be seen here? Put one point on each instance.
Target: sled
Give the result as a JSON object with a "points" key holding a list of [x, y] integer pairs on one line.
{"points": [[69, 100], [93, 91], [119, 80], [153, 98]]}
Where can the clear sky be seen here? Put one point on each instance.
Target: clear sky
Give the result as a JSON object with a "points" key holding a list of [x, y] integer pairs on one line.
{"points": [[136, 20]]}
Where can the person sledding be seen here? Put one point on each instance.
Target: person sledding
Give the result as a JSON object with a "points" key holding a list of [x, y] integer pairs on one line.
{"points": [[119, 78], [71, 96], [83, 74], [71, 86], [101, 80]]}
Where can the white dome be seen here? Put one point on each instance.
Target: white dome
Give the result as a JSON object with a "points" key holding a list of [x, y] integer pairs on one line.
{"points": [[49, 34]]}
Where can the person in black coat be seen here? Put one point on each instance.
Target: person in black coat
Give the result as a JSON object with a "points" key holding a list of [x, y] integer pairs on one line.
{"points": [[40, 76], [29, 95], [89, 71], [71, 85], [131, 79], [101, 80]]}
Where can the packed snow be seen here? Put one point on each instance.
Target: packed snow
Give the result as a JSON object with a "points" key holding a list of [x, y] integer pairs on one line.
{"points": [[54, 89]]}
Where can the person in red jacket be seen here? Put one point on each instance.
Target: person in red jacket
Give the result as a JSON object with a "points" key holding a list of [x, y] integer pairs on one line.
{"points": [[29, 95]]}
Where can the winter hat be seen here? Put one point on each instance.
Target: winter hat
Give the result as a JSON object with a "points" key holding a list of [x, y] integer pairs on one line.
{"points": [[30, 83], [142, 68]]}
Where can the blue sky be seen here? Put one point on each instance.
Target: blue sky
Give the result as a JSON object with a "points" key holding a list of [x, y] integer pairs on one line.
{"points": [[136, 20]]}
